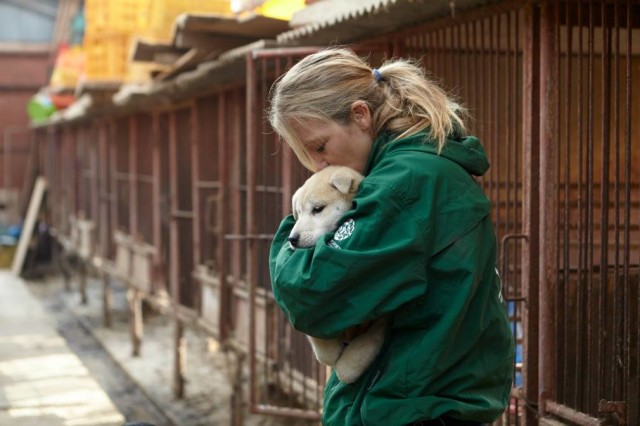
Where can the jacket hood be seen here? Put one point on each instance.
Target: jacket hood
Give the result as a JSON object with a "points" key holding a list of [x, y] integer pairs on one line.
{"points": [[466, 151]]}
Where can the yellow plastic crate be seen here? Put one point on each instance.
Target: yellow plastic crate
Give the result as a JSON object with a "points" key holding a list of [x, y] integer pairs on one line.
{"points": [[116, 16], [163, 13], [106, 56], [280, 9]]}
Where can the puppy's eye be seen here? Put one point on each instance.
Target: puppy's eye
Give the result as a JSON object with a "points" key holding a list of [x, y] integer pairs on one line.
{"points": [[317, 209]]}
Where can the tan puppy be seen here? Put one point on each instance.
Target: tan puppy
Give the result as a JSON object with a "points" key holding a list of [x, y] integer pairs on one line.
{"points": [[318, 206], [321, 202]]}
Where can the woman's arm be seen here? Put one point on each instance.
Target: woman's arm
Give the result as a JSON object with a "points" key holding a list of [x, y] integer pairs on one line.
{"points": [[373, 264]]}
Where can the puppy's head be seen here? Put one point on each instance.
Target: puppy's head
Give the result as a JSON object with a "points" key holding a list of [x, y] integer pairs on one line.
{"points": [[319, 204]]}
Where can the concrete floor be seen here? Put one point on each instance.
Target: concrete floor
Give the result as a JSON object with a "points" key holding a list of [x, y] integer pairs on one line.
{"points": [[42, 382], [208, 391]]}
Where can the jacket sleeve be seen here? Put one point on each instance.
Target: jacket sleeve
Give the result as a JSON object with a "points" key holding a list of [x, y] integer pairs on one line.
{"points": [[374, 263]]}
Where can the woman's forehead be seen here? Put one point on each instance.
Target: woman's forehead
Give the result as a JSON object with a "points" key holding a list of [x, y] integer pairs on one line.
{"points": [[310, 131]]}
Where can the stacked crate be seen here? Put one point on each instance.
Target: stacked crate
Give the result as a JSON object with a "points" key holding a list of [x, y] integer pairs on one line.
{"points": [[280, 9], [110, 28], [163, 13], [277, 9]]}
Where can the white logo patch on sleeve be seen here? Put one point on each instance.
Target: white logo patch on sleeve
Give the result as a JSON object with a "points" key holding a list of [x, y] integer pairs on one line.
{"points": [[345, 230]]}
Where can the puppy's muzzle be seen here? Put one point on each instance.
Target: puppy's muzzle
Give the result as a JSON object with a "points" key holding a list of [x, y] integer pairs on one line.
{"points": [[294, 240]]}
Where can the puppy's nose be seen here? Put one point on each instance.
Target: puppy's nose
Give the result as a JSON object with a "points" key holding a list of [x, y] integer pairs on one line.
{"points": [[293, 240]]}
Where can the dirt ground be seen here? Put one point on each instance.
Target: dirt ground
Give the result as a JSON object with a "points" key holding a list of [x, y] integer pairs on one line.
{"points": [[141, 387]]}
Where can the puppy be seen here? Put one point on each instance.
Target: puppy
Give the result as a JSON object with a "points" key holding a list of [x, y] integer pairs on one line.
{"points": [[318, 206]]}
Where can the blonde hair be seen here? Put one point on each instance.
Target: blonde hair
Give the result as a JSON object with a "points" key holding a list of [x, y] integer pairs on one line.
{"points": [[324, 85]]}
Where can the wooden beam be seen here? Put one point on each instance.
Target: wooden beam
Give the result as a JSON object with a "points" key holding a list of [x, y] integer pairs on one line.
{"points": [[161, 53], [29, 225], [205, 41], [187, 61]]}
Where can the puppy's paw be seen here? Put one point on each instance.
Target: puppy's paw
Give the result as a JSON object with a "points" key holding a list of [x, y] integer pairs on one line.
{"points": [[354, 361], [360, 353], [348, 373], [327, 351]]}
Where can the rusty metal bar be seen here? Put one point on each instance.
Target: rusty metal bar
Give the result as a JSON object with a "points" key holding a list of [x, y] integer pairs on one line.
{"points": [[618, 301], [251, 114], [221, 252], [456, 49], [509, 138], [590, 205], [182, 214], [548, 206], [493, 69], [132, 145], [632, 333], [94, 161], [604, 201], [579, 390], [261, 176], [531, 197], [567, 175], [238, 110], [212, 184], [287, 412], [156, 191], [178, 365], [570, 414], [468, 51], [113, 179], [195, 194]]}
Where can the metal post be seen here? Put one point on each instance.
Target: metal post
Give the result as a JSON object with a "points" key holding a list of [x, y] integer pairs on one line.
{"points": [[135, 320], [106, 300], [530, 200], [252, 113], [178, 377], [547, 203]]}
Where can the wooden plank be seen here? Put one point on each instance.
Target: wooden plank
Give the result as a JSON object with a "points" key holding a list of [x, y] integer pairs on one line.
{"points": [[161, 53], [200, 40], [251, 26], [29, 224]]}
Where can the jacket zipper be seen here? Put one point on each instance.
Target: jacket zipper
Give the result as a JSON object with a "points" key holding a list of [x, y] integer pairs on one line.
{"points": [[375, 378]]}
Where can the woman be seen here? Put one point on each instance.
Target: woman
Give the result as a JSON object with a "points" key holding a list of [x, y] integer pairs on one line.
{"points": [[418, 246]]}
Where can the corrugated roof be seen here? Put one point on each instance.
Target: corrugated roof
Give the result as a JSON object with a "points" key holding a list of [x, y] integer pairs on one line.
{"points": [[344, 21], [333, 20]]}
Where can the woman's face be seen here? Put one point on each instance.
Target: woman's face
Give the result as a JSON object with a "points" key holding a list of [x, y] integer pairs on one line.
{"points": [[335, 144]]}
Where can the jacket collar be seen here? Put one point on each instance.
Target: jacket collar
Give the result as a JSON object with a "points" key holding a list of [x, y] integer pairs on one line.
{"points": [[465, 151]]}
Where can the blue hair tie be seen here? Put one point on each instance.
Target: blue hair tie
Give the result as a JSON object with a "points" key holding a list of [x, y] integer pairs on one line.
{"points": [[377, 75]]}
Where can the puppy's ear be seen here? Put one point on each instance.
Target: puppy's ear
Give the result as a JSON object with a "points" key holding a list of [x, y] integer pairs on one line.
{"points": [[294, 210], [346, 180]]}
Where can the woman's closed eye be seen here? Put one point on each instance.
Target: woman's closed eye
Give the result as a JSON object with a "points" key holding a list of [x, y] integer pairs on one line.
{"points": [[320, 148]]}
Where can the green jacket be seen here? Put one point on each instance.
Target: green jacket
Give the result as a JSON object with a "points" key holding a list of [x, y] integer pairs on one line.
{"points": [[419, 245]]}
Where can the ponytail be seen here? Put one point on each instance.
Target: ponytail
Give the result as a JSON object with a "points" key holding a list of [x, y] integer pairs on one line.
{"points": [[414, 103]]}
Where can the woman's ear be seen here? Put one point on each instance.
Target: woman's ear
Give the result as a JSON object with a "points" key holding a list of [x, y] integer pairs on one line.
{"points": [[361, 114]]}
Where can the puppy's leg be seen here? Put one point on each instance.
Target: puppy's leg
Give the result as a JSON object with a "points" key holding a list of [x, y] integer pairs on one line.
{"points": [[327, 350], [361, 352]]}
